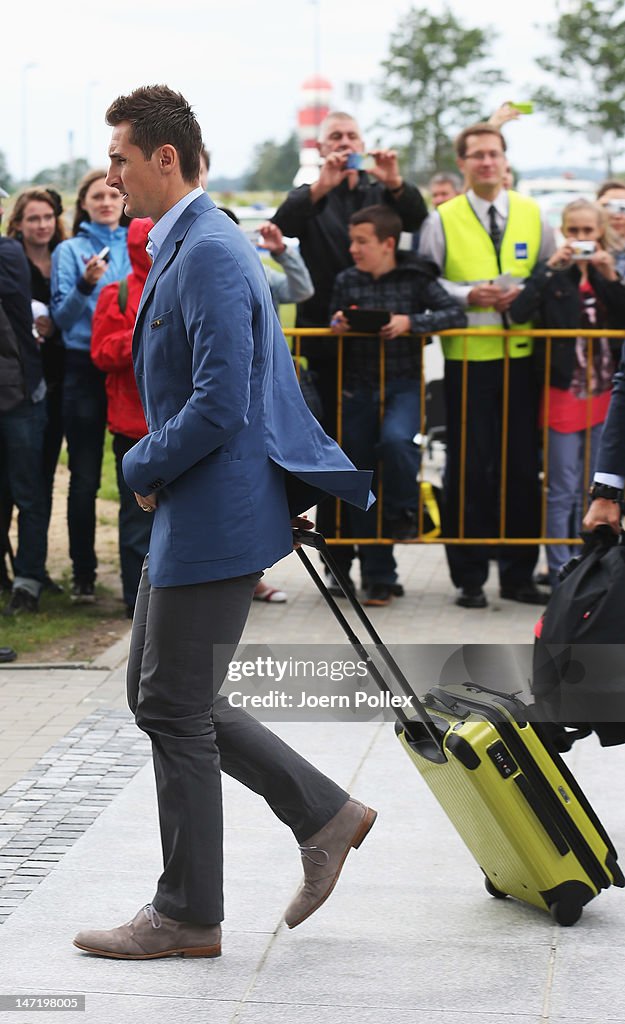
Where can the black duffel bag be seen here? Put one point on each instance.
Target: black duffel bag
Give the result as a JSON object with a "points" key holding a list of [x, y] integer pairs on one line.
{"points": [[579, 653]]}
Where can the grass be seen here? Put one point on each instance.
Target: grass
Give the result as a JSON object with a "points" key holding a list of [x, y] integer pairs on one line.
{"points": [[57, 619]]}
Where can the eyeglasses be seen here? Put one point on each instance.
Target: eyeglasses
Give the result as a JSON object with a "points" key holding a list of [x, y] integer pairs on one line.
{"points": [[491, 154]]}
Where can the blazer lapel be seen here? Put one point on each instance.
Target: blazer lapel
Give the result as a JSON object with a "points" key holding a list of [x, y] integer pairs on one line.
{"points": [[169, 250]]}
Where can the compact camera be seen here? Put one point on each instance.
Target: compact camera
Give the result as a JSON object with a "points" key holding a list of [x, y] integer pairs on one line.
{"points": [[582, 249], [359, 162]]}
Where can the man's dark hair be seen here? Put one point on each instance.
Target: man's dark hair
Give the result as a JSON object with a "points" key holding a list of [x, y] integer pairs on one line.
{"points": [[606, 186], [481, 128], [206, 157], [386, 223], [159, 116]]}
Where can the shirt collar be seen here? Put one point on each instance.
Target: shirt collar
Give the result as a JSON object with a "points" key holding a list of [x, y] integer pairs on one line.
{"points": [[481, 206], [158, 234]]}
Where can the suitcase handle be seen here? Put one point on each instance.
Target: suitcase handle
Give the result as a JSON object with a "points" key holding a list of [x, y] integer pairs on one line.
{"points": [[313, 539]]}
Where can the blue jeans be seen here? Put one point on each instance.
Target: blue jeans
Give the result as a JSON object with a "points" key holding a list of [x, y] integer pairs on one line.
{"points": [[84, 420], [135, 526], [366, 441], [22, 432], [566, 495]]}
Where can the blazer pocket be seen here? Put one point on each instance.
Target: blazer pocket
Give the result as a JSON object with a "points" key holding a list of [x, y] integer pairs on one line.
{"points": [[211, 512], [161, 320]]}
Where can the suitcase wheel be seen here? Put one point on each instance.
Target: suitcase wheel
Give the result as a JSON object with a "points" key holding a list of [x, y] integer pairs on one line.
{"points": [[566, 914], [493, 891]]}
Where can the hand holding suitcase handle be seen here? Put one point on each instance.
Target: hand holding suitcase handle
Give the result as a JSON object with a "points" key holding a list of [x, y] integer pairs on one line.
{"points": [[601, 539], [313, 539]]}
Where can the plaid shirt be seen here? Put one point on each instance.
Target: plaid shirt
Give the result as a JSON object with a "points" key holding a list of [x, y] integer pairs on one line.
{"points": [[410, 289]]}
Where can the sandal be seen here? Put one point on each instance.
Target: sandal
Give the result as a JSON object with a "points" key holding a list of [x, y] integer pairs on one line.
{"points": [[271, 595]]}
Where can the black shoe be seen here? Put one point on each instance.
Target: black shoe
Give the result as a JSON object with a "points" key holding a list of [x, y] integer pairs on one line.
{"points": [[397, 590], [333, 587], [7, 654], [378, 595], [21, 601], [82, 592], [472, 597], [525, 593], [52, 587], [542, 579], [403, 526]]}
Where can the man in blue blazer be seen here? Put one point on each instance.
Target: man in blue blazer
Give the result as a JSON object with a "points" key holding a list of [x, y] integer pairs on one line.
{"points": [[607, 488], [232, 454]]}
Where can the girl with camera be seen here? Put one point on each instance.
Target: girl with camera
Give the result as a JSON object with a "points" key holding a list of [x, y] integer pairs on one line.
{"points": [[577, 288]]}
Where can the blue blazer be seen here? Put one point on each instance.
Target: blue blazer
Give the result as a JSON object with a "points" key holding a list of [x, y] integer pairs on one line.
{"points": [[611, 456], [232, 450]]}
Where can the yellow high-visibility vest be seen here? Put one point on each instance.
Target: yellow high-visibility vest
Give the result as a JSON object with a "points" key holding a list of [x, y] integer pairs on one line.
{"points": [[471, 259]]}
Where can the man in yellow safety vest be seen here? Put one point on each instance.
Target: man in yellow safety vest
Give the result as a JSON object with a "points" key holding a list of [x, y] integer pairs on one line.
{"points": [[486, 242]]}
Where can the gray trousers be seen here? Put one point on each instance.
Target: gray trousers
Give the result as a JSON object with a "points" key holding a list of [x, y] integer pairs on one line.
{"points": [[173, 682]]}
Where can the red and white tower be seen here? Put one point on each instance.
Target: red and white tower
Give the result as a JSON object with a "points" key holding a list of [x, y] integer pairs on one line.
{"points": [[316, 94]]}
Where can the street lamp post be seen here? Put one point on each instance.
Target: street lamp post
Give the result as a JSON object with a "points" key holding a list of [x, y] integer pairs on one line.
{"points": [[25, 69], [88, 104]]}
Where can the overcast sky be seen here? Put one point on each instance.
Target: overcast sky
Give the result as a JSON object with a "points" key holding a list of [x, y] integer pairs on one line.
{"points": [[240, 63]]}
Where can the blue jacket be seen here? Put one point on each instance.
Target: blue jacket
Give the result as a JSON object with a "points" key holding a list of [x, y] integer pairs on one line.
{"points": [[73, 301], [15, 298], [233, 451]]}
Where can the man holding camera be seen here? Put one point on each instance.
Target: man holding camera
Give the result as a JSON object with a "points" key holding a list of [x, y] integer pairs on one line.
{"points": [[319, 215], [486, 243]]}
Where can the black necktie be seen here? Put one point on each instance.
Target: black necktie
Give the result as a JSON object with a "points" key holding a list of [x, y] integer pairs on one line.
{"points": [[495, 231]]}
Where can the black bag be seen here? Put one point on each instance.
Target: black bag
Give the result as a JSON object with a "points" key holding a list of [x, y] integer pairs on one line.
{"points": [[579, 654], [12, 387]]}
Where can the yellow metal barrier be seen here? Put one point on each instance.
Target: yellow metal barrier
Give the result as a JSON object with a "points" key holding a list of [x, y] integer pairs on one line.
{"points": [[297, 334]]}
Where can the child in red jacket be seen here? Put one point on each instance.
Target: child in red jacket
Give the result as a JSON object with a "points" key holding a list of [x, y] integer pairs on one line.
{"points": [[111, 351]]}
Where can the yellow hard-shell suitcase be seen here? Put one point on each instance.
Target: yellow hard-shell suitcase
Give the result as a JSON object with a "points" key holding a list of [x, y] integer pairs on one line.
{"points": [[513, 801], [504, 787]]}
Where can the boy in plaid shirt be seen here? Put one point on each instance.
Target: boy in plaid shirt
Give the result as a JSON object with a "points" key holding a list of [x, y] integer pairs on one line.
{"points": [[407, 288]]}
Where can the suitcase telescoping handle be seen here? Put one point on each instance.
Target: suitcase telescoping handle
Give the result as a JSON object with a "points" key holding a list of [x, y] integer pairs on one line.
{"points": [[310, 538]]}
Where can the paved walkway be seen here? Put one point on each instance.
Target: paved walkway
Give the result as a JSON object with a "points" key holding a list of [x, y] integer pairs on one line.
{"points": [[409, 934]]}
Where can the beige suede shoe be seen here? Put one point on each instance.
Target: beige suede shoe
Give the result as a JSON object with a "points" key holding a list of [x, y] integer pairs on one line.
{"points": [[150, 935], [323, 856]]}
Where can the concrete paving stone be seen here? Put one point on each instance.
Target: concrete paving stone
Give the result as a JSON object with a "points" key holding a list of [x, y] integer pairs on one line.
{"points": [[47, 864], [590, 1019], [367, 970], [253, 1012], [108, 1007], [52, 956], [584, 968]]}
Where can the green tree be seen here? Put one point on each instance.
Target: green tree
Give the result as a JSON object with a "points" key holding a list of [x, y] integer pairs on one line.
{"points": [[588, 65], [435, 79], [6, 181], [65, 177], [274, 165]]}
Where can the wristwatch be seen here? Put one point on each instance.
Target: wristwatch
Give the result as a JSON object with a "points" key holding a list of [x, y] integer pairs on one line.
{"points": [[605, 491]]}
